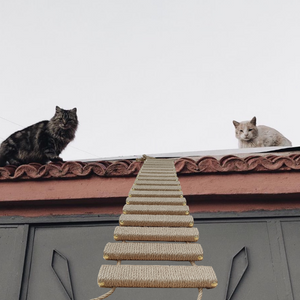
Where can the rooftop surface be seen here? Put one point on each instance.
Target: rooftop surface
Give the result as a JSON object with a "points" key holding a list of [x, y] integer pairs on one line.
{"points": [[272, 159], [243, 152]]}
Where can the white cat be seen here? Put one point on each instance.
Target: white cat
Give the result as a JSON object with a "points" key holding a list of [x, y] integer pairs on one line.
{"points": [[250, 135]]}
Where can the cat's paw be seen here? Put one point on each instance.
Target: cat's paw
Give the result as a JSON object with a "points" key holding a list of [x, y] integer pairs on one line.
{"points": [[56, 159]]}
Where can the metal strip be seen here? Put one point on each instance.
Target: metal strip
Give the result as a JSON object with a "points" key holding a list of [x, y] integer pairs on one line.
{"points": [[279, 259], [244, 249], [71, 294]]}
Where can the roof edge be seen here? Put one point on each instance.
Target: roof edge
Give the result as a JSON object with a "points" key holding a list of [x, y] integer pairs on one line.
{"points": [[184, 165]]}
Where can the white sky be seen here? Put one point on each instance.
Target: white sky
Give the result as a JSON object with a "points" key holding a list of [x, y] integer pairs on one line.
{"points": [[150, 76]]}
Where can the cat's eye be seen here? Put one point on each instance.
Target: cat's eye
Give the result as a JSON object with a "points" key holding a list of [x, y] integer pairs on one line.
{"points": [[250, 129], [241, 130]]}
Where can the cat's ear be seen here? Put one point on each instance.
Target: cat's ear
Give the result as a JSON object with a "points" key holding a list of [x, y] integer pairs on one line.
{"points": [[57, 109], [74, 110], [253, 121], [235, 123]]}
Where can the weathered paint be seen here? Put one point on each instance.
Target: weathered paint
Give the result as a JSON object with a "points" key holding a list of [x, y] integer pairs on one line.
{"points": [[65, 189], [204, 193]]}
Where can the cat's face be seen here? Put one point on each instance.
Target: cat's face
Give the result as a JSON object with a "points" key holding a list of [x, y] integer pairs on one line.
{"points": [[65, 119], [246, 130]]}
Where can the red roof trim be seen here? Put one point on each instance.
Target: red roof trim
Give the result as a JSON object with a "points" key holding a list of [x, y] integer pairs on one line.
{"points": [[231, 163], [207, 164], [70, 170]]}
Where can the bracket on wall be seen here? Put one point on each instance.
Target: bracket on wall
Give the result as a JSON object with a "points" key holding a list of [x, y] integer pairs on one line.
{"points": [[240, 263], [69, 293]]}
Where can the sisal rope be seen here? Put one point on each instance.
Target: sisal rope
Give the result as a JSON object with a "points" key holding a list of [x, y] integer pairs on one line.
{"points": [[200, 292], [107, 295], [152, 176], [138, 187], [153, 251], [135, 193], [109, 292], [156, 211], [168, 234], [156, 220], [155, 201], [157, 182], [156, 276]]}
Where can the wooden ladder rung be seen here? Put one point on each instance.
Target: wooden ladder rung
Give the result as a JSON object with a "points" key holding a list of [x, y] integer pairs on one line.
{"points": [[156, 220], [155, 166], [153, 251], [167, 234], [154, 276], [155, 201], [157, 178], [137, 187], [151, 174], [135, 193], [157, 182], [156, 209], [160, 163], [157, 171]]}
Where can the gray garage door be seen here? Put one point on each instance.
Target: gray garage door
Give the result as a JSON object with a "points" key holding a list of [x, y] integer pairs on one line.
{"points": [[253, 259]]}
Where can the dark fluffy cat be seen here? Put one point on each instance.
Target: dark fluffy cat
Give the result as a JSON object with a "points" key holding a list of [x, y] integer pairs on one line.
{"points": [[41, 142]]}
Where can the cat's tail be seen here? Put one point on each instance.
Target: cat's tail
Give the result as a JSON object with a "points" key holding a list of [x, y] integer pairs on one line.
{"points": [[3, 155]]}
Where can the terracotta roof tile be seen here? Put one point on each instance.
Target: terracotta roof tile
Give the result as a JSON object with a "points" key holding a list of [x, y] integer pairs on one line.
{"points": [[184, 165], [231, 163], [70, 170]]}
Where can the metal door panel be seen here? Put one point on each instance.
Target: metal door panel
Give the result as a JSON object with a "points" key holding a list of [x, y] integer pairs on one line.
{"points": [[83, 247], [291, 236], [221, 241], [12, 249]]}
